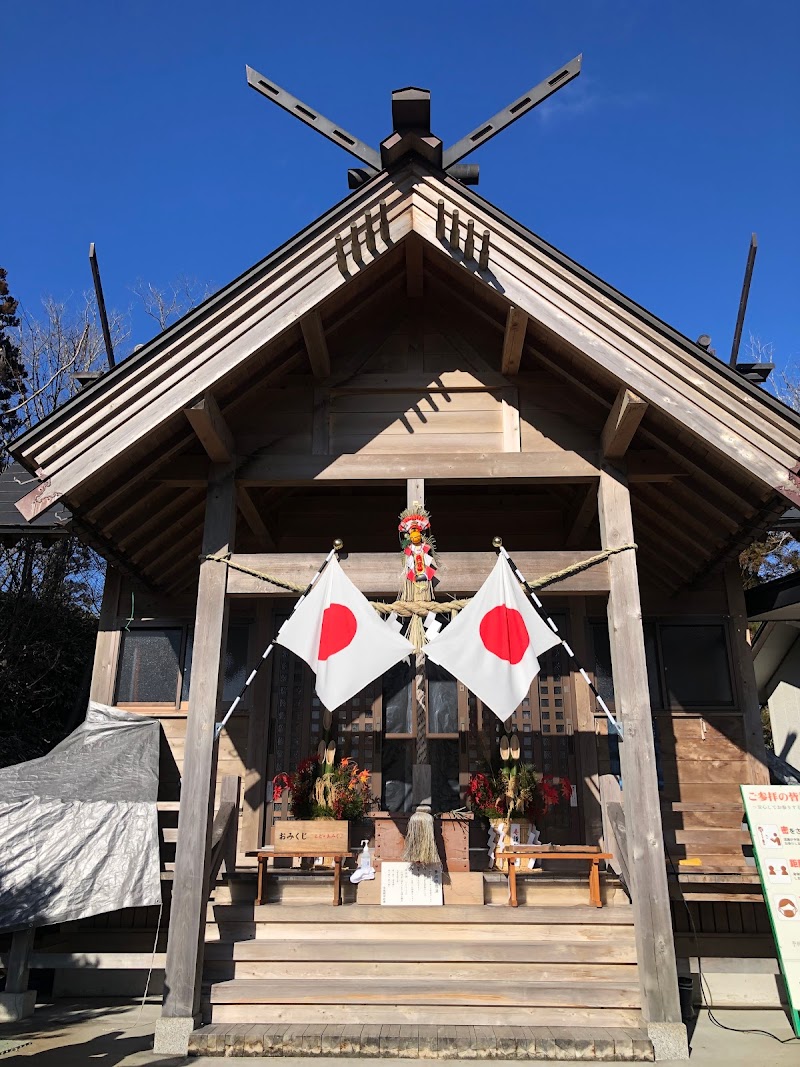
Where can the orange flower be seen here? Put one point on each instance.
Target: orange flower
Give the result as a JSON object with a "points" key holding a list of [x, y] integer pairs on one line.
{"points": [[345, 762]]}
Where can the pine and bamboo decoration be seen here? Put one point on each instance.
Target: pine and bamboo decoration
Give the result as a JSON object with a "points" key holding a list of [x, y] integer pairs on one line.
{"points": [[419, 551]]}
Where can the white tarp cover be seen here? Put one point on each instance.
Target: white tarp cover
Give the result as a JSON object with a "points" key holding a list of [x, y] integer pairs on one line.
{"points": [[78, 827]]}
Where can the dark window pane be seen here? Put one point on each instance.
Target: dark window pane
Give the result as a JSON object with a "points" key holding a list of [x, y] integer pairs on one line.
{"points": [[148, 666], [696, 665], [444, 773], [236, 665], [397, 700], [442, 701], [397, 761], [602, 662]]}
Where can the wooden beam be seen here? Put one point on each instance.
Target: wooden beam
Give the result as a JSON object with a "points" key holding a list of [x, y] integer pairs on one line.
{"points": [[414, 268], [376, 572], [383, 468], [211, 429], [655, 948], [460, 467], [513, 340], [253, 519], [316, 345], [622, 423], [189, 887]]}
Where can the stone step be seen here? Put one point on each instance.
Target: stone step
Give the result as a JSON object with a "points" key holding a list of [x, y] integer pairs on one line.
{"points": [[380, 1041]]}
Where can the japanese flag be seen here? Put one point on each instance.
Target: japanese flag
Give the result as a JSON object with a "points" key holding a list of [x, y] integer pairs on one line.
{"points": [[341, 638], [493, 645]]}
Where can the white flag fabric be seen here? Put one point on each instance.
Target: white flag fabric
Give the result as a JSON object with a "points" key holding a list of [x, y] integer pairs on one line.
{"points": [[341, 638], [493, 645]]}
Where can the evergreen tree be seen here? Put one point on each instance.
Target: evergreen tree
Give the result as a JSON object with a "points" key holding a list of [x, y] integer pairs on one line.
{"points": [[12, 370]]}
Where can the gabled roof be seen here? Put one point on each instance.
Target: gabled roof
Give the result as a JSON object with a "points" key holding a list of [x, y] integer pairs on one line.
{"points": [[578, 316]]}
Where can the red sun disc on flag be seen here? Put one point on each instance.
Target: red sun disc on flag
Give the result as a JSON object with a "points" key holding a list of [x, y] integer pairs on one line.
{"points": [[504, 634], [338, 630]]}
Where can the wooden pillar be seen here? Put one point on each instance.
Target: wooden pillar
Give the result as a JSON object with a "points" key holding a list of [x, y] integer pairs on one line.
{"points": [[655, 947], [106, 649], [745, 677], [181, 1010]]}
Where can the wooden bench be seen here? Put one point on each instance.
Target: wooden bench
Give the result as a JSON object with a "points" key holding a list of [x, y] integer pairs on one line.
{"points": [[587, 853], [266, 854]]}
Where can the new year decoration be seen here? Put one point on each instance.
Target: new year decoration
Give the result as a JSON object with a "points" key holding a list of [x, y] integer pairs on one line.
{"points": [[419, 564]]}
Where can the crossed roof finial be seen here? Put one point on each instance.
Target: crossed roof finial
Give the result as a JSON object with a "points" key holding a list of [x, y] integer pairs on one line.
{"points": [[411, 116]]}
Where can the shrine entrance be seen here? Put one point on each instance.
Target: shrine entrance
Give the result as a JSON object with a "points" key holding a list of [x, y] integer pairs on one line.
{"points": [[376, 728]]}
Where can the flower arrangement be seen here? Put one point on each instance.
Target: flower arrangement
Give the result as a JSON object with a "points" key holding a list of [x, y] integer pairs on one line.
{"points": [[516, 791], [320, 790]]}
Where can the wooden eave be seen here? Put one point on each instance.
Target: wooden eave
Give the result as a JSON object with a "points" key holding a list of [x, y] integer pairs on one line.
{"points": [[102, 451]]}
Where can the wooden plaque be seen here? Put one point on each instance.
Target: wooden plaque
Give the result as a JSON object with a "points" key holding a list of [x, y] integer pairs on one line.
{"points": [[311, 838]]}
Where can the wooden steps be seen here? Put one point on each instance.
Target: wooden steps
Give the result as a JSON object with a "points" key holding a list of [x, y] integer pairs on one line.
{"points": [[450, 966], [508, 990], [420, 1041]]}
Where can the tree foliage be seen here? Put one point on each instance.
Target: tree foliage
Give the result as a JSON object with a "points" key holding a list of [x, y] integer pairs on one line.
{"points": [[12, 370], [50, 589]]}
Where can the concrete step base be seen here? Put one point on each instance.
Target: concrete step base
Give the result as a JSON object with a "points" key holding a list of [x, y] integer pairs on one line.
{"points": [[379, 1041]]}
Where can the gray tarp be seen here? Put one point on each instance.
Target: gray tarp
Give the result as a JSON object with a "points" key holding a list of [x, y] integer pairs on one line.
{"points": [[78, 827]]}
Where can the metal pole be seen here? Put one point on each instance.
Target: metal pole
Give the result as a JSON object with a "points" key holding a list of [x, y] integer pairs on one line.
{"points": [[498, 544], [101, 305], [748, 274], [337, 547]]}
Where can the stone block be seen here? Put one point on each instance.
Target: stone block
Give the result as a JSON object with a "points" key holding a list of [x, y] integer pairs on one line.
{"points": [[670, 1041], [428, 1038], [16, 1006], [485, 1044], [172, 1035], [409, 1041]]}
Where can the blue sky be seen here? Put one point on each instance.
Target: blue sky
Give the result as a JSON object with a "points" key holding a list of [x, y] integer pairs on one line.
{"points": [[131, 125]]}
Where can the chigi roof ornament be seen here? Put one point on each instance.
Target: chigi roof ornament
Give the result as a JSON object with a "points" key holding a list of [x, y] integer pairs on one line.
{"points": [[411, 117]]}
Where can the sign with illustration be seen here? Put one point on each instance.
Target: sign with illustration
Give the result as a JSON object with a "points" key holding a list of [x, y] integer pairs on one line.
{"points": [[773, 815]]}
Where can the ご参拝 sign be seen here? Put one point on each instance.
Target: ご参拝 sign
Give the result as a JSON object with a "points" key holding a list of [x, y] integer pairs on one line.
{"points": [[773, 815]]}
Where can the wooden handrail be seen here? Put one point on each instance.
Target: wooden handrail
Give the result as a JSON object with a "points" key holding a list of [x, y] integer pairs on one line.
{"points": [[224, 829], [615, 836]]}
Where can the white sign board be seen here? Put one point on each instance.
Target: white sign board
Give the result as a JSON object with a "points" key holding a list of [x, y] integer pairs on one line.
{"points": [[411, 884], [773, 815]]}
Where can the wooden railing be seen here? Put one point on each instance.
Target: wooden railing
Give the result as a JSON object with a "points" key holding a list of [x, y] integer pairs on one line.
{"points": [[615, 838], [225, 829]]}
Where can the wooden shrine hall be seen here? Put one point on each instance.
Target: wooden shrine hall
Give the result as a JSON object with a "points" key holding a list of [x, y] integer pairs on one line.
{"points": [[416, 344]]}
